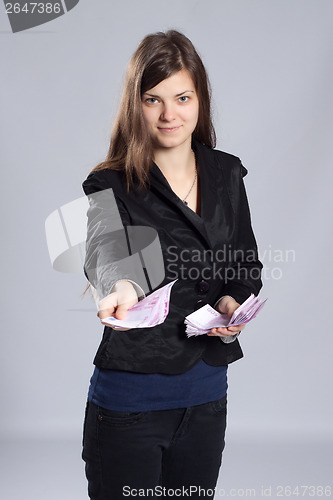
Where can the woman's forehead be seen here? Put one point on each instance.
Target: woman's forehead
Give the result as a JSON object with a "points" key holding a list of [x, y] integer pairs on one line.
{"points": [[177, 83]]}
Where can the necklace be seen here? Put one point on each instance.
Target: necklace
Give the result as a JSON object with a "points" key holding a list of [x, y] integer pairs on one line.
{"points": [[195, 178]]}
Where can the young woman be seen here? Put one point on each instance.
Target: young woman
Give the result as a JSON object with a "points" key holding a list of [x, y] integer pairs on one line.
{"points": [[156, 411]]}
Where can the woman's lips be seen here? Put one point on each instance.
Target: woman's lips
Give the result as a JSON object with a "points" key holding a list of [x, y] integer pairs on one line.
{"points": [[168, 130]]}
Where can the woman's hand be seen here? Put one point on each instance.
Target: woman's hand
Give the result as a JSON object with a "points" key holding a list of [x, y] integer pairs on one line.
{"points": [[227, 305], [118, 302]]}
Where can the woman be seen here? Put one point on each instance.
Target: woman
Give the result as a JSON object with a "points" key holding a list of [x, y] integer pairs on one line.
{"points": [[156, 411]]}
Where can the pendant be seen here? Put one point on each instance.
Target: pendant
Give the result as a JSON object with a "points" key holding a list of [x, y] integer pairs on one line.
{"points": [[185, 202]]}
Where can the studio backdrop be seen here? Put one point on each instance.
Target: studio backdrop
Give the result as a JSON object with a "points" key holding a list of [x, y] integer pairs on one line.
{"points": [[270, 67]]}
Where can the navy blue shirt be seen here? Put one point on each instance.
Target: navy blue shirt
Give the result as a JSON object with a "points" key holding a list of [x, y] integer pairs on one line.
{"points": [[130, 391]]}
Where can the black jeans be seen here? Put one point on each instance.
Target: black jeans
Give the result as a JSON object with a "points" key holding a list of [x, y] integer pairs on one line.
{"points": [[154, 454]]}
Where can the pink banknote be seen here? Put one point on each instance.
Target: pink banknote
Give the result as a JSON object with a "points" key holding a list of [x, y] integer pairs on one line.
{"points": [[148, 312], [206, 318]]}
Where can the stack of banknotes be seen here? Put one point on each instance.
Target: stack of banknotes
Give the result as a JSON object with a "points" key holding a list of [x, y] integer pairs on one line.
{"points": [[154, 309], [206, 318], [150, 311]]}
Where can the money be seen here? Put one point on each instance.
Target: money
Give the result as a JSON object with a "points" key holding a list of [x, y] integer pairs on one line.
{"points": [[153, 310], [150, 311], [206, 318]]}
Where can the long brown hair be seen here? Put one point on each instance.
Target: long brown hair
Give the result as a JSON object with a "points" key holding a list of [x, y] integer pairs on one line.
{"points": [[157, 57]]}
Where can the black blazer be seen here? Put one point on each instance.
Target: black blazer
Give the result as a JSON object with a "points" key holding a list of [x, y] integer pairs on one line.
{"points": [[212, 255]]}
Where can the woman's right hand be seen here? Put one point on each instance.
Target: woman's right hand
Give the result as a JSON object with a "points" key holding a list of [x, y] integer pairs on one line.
{"points": [[117, 303]]}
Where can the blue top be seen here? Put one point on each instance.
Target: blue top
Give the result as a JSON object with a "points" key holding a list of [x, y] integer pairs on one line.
{"points": [[129, 391]]}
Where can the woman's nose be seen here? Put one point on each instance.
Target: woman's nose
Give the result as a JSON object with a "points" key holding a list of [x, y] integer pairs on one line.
{"points": [[168, 113]]}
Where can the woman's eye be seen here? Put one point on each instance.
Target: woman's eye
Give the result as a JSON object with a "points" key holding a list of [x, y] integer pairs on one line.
{"points": [[151, 100], [184, 98]]}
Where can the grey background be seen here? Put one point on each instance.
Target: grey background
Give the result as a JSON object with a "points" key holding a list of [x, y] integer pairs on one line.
{"points": [[270, 65]]}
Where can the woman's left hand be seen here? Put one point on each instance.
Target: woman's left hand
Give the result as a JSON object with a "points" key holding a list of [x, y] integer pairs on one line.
{"points": [[227, 305]]}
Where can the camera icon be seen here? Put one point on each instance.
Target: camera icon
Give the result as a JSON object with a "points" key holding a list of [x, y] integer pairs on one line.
{"points": [[88, 234]]}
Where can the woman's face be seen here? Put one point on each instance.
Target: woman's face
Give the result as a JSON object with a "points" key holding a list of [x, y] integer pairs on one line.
{"points": [[170, 110]]}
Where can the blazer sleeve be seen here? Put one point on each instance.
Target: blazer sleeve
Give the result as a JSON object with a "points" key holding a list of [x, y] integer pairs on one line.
{"points": [[243, 275], [108, 253]]}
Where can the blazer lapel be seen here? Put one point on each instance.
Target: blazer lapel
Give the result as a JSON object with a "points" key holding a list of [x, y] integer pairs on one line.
{"points": [[208, 181], [207, 188]]}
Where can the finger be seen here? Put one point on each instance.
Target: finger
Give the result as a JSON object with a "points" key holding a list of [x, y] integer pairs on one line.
{"points": [[122, 309], [219, 332], [105, 313], [235, 329], [114, 327]]}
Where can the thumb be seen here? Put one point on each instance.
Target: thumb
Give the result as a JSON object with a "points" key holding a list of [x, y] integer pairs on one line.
{"points": [[121, 311], [229, 306]]}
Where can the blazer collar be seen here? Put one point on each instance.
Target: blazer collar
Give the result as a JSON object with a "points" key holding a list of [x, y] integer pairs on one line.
{"points": [[207, 186]]}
